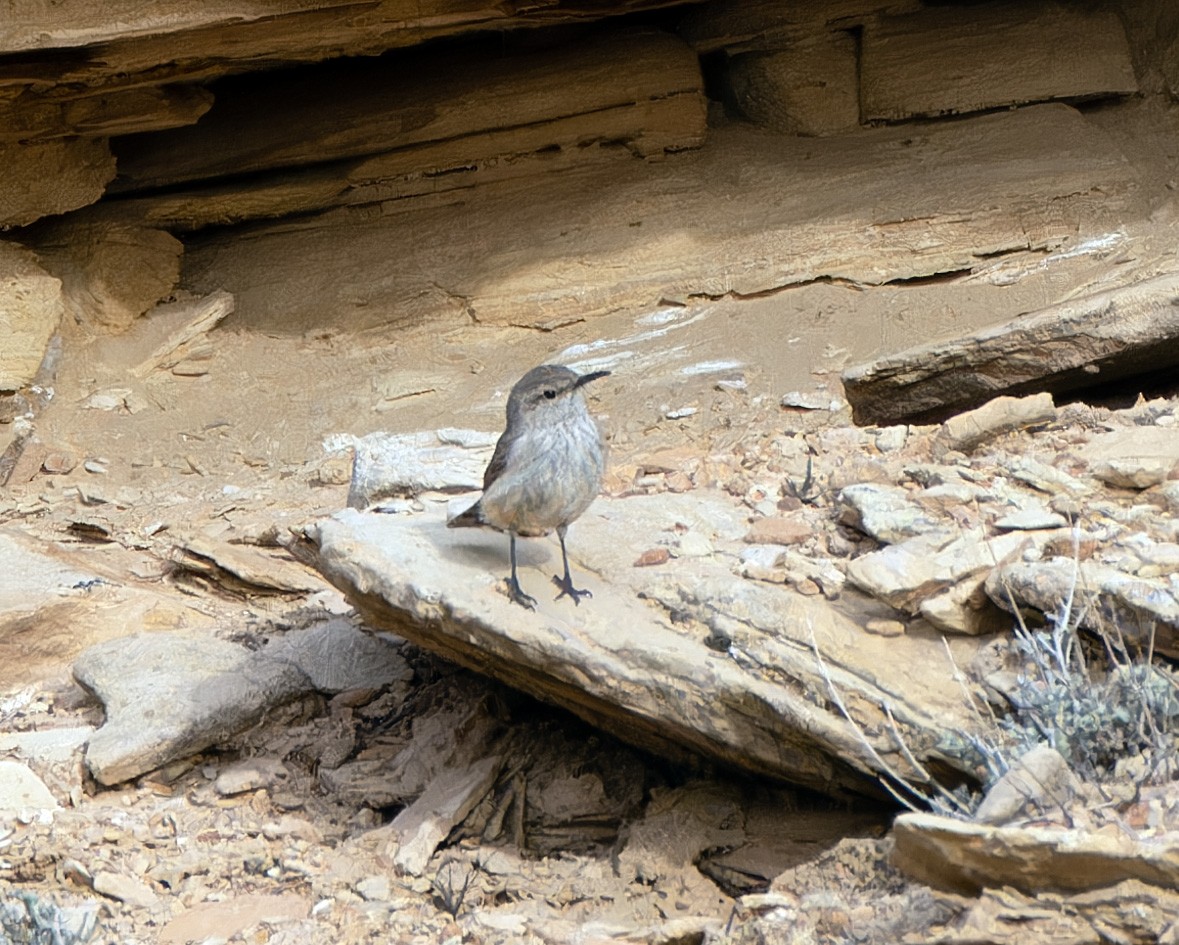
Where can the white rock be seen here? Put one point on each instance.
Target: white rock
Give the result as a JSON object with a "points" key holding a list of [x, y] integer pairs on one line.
{"points": [[125, 888], [374, 888], [1030, 519], [693, 545], [890, 439], [887, 513], [20, 790], [52, 745]]}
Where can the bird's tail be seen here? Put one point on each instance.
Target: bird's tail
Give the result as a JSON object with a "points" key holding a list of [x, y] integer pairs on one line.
{"points": [[471, 518]]}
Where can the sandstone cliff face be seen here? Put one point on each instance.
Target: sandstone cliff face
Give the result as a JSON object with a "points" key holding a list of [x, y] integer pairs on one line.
{"points": [[341, 117]]}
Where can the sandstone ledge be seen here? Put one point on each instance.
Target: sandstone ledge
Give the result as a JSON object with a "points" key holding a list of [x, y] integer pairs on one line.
{"points": [[675, 657]]}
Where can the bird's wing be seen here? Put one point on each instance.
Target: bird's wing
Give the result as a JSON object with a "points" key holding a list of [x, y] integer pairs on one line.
{"points": [[499, 461]]}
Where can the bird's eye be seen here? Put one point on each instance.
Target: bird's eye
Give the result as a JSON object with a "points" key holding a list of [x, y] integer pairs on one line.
{"points": [[550, 394]]}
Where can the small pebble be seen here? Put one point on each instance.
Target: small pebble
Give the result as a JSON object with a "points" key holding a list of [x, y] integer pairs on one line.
{"points": [[652, 556]]}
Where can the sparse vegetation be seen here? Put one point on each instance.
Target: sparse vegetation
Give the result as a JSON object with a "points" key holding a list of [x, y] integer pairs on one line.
{"points": [[1108, 708], [451, 883], [27, 919]]}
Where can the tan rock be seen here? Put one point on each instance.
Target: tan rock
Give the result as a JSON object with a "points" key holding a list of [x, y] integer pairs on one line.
{"points": [[401, 267], [946, 61], [1114, 332], [48, 177], [969, 430], [885, 628], [965, 608], [382, 129], [961, 856], [1144, 610], [111, 273], [31, 307], [808, 88], [1038, 785], [674, 692], [780, 530], [1133, 458]]}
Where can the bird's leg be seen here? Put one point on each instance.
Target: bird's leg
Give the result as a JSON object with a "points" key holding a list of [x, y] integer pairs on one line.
{"points": [[514, 591], [566, 583]]}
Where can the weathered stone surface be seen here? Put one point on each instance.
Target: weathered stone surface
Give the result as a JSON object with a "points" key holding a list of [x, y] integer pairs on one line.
{"points": [[48, 177], [125, 888], [243, 568], [625, 665], [968, 431], [905, 574], [53, 606], [251, 774], [808, 88], [183, 325], [780, 530], [1110, 335], [1134, 457], [950, 60], [1144, 610], [201, 41], [337, 656], [111, 273], [67, 110], [30, 310], [1031, 519], [389, 465], [888, 513], [965, 608], [769, 227], [967, 857], [1131, 908], [1038, 784], [440, 742], [460, 107], [741, 25], [235, 916], [50, 745], [168, 695], [425, 823], [20, 789]]}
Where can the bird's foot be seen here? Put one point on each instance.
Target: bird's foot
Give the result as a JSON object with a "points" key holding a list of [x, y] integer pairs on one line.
{"points": [[566, 585], [518, 596]]}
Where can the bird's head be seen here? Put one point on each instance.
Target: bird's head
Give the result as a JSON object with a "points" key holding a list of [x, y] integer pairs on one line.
{"points": [[548, 386]]}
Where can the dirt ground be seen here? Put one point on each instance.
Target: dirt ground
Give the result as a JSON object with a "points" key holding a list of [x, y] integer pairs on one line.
{"points": [[144, 463]]}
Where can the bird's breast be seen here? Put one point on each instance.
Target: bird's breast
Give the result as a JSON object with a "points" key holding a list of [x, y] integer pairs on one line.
{"points": [[553, 472]]}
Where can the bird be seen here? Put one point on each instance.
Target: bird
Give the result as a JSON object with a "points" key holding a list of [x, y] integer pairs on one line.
{"points": [[546, 468]]}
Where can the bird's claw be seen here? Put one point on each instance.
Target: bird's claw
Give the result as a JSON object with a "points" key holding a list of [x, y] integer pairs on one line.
{"points": [[567, 588], [519, 597]]}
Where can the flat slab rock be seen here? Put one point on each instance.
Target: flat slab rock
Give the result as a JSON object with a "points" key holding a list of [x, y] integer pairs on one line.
{"points": [[682, 657], [168, 695], [1113, 334], [967, 857]]}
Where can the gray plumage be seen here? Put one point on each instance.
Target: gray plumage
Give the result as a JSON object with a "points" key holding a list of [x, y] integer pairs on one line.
{"points": [[546, 469]]}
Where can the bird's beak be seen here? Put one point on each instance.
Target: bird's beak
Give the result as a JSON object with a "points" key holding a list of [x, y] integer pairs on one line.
{"points": [[586, 378]]}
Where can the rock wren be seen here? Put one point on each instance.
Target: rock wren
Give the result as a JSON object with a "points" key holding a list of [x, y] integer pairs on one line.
{"points": [[546, 468]]}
